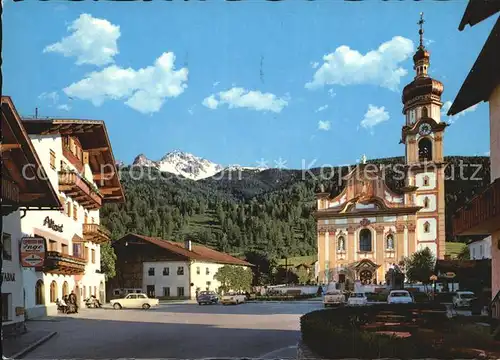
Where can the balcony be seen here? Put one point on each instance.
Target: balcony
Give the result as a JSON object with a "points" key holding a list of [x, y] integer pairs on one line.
{"points": [[10, 192], [80, 189], [481, 215], [95, 233], [63, 264]]}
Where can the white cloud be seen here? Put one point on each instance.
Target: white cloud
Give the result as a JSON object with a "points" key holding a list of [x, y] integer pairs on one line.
{"points": [[50, 96], [374, 116], [332, 93], [314, 64], [324, 125], [144, 90], [216, 83], [379, 67], [487, 153], [64, 107], [241, 98], [451, 119], [93, 41], [322, 108]]}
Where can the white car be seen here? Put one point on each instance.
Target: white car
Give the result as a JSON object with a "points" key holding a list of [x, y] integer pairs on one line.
{"points": [[334, 298], [357, 299], [463, 298], [399, 297], [134, 301], [232, 298]]}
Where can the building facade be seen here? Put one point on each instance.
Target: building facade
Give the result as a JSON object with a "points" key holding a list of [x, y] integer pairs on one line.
{"points": [[368, 227], [481, 215], [480, 249], [25, 189], [80, 166], [166, 269]]}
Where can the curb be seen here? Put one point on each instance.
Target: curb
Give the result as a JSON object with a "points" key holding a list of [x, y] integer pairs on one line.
{"points": [[33, 346]]}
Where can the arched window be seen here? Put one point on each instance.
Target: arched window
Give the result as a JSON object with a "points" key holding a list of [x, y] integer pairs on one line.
{"points": [[39, 293], [425, 112], [341, 243], [53, 291], [390, 242], [365, 240], [427, 227], [65, 288], [425, 150], [426, 180], [68, 209], [426, 202]]}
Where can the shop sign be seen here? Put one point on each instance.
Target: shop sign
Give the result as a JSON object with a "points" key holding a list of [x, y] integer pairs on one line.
{"points": [[8, 277], [32, 251], [52, 225]]}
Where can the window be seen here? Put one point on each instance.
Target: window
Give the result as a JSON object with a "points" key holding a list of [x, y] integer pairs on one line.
{"points": [[365, 240], [473, 253], [426, 180], [64, 249], [53, 292], [68, 209], [87, 253], [65, 289], [52, 160], [180, 291], [166, 291], [427, 227], [39, 293], [208, 285], [75, 212], [425, 112], [86, 218], [481, 253], [207, 271], [6, 305], [52, 245], [166, 271], [426, 202], [64, 166], [151, 271], [116, 292], [180, 270], [93, 257], [95, 290], [390, 242], [341, 244], [93, 220], [198, 270], [6, 246], [132, 296], [425, 150]]}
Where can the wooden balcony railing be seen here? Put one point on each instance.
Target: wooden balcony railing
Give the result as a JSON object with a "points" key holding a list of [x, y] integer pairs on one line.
{"points": [[481, 215], [79, 188], [63, 264], [10, 192], [95, 233]]}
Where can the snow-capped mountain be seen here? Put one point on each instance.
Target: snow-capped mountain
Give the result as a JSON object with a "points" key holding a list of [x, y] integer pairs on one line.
{"points": [[181, 163]]}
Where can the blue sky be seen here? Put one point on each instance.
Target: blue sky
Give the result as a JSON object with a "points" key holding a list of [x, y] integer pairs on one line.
{"points": [[228, 81]]}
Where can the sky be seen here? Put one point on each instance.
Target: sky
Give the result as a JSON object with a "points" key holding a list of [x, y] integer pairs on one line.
{"points": [[296, 83]]}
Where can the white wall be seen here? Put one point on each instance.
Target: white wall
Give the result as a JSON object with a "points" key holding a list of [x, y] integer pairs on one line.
{"points": [[12, 226], [480, 249], [419, 181], [172, 281], [432, 206], [200, 281], [432, 234]]}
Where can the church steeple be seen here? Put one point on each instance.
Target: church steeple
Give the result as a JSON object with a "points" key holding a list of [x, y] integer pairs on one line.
{"points": [[422, 56]]}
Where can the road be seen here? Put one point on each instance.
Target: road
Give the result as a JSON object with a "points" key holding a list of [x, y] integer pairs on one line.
{"points": [[265, 330]]}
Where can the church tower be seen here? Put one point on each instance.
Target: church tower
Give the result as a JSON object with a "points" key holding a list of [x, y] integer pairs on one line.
{"points": [[422, 136]]}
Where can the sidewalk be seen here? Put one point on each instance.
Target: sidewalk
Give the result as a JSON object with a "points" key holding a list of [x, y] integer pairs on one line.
{"points": [[17, 347]]}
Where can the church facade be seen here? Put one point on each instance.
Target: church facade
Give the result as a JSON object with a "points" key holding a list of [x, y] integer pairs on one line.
{"points": [[368, 227]]}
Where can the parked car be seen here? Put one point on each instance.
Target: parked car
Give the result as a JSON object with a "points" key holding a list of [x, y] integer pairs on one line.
{"points": [[232, 298], [357, 299], [334, 298], [134, 301], [399, 297], [207, 297], [463, 298]]}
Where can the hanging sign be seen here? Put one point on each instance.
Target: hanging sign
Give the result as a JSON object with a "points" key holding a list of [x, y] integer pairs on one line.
{"points": [[32, 251]]}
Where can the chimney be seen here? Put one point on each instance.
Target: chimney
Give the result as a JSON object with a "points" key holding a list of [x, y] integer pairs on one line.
{"points": [[187, 245]]}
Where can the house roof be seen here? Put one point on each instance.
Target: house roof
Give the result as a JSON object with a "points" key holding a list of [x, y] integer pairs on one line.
{"points": [[483, 77], [477, 11], [21, 163], [94, 139], [198, 252]]}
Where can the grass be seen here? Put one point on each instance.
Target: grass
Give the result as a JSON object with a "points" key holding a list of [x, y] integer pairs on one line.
{"points": [[297, 260], [454, 248]]}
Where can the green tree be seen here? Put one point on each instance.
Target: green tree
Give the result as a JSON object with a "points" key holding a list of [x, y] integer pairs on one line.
{"points": [[234, 278], [420, 266], [464, 254], [303, 275], [108, 260]]}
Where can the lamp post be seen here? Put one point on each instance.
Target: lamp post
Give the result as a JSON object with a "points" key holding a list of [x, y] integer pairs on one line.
{"points": [[433, 278]]}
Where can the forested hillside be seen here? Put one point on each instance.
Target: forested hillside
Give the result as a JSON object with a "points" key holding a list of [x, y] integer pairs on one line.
{"points": [[267, 211]]}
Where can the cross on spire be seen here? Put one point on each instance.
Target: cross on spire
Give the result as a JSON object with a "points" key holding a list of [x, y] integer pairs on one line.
{"points": [[421, 30]]}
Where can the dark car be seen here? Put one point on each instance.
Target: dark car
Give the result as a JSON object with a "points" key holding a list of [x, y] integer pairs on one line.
{"points": [[207, 297]]}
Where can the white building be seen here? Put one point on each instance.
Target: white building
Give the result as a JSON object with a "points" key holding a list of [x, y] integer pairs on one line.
{"points": [[480, 249], [166, 269], [22, 193], [80, 166]]}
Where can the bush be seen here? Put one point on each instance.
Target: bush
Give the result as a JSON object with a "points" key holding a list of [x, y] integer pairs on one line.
{"points": [[420, 297], [285, 297]]}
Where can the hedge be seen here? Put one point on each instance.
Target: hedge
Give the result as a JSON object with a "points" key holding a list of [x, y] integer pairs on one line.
{"points": [[284, 297]]}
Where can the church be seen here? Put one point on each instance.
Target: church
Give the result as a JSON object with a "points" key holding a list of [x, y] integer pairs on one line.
{"points": [[368, 227]]}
